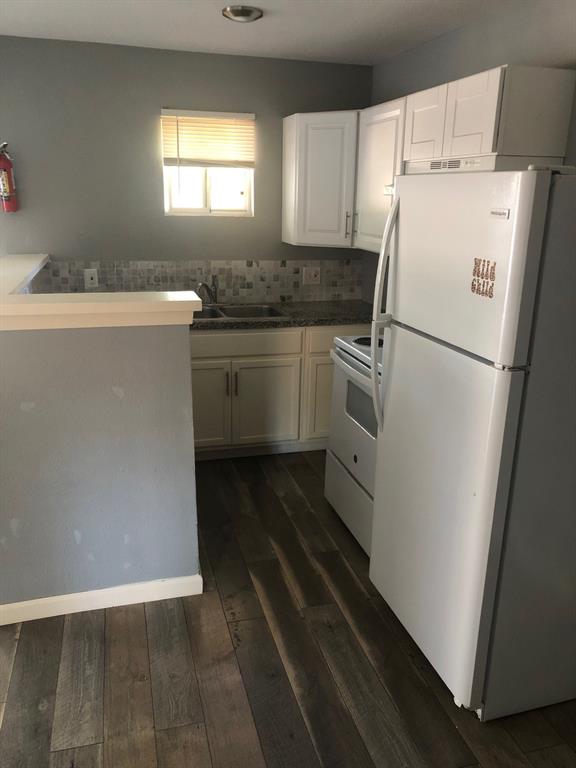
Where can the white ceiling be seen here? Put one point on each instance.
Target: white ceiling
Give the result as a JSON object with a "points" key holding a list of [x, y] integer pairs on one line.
{"points": [[352, 31]]}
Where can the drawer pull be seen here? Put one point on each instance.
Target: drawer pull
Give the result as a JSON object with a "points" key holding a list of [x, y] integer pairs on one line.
{"points": [[227, 384], [236, 383]]}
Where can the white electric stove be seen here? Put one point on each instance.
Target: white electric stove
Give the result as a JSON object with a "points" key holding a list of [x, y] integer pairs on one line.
{"points": [[359, 347], [351, 455]]}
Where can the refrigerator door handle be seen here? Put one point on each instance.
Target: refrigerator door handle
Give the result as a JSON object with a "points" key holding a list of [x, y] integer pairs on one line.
{"points": [[383, 259], [378, 401], [379, 321]]}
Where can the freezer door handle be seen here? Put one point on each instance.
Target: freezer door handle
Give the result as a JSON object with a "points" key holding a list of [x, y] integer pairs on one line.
{"points": [[376, 380], [383, 258]]}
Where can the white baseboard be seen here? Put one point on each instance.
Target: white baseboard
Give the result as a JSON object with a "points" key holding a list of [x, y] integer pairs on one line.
{"points": [[124, 594]]}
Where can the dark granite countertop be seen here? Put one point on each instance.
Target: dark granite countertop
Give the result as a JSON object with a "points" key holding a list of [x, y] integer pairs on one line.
{"points": [[295, 314]]}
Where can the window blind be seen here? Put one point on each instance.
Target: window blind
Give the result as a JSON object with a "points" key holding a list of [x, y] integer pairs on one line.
{"points": [[208, 138]]}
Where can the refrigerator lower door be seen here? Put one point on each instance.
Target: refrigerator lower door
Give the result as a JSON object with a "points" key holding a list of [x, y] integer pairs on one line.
{"points": [[442, 478], [466, 264]]}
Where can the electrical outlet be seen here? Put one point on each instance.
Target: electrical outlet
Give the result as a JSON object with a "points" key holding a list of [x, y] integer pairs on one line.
{"points": [[311, 276], [90, 279]]}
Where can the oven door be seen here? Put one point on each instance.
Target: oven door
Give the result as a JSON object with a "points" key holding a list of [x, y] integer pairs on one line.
{"points": [[353, 426]]}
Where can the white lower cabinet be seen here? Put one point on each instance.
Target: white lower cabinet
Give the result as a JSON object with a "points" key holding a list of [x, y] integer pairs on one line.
{"points": [[266, 401], [319, 396], [211, 402], [263, 387]]}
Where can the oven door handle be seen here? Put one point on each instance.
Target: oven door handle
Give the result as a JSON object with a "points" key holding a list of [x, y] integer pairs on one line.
{"points": [[376, 380], [359, 378]]}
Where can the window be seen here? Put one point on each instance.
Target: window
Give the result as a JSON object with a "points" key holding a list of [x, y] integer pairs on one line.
{"points": [[208, 163]]}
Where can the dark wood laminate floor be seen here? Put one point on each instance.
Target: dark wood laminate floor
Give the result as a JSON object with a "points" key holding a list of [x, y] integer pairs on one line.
{"points": [[290, 659]]}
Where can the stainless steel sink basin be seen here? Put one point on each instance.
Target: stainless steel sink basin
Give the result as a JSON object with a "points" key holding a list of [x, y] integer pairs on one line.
{"points": [[208, 313], [250, 311]]}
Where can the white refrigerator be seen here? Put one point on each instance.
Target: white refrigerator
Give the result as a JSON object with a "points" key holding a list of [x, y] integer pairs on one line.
{"points": [[474, 534]]}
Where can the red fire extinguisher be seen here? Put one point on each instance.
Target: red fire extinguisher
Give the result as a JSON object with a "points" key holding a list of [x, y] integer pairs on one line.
{"points": [[7, 185]]}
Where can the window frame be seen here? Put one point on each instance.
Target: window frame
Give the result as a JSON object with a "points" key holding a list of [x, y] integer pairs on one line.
{"points": [[168, 182]]}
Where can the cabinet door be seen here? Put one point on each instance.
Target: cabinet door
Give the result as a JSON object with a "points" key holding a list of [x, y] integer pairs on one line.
{"points": [[318, 396], [472, 109], [425, 116], [326, 161], [380, 140], [211, 402], [266, 399]]}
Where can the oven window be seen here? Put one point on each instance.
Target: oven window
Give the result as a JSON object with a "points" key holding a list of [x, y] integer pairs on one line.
{"points": [[360, 408]]}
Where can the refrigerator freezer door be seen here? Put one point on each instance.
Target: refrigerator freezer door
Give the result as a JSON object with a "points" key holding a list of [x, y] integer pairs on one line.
{"points": [[442, 477], [466, 266]]}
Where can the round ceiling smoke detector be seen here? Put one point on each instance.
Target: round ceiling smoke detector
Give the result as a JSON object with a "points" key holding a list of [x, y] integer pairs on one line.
{"points": [[242, 13]]}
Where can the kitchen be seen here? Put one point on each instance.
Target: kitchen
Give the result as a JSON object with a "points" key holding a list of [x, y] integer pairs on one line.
{"points": [[269, 652]]}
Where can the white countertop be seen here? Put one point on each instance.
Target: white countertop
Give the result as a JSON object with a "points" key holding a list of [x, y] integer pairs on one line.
{"points": [[37, 311]]}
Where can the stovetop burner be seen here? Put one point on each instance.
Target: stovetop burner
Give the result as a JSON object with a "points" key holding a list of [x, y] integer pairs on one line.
{"points": [[366, 341]]}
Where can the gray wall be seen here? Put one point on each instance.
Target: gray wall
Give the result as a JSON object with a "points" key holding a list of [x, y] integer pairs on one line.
{"points": [[96, 459], [83, 124], [530, 32]]}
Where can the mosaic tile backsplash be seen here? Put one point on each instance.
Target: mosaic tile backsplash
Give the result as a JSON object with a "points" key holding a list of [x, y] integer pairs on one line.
{"points": [[239, 281]]}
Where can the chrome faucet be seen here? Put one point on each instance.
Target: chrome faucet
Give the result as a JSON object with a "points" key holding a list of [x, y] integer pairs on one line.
{"points": [[210, 292]]}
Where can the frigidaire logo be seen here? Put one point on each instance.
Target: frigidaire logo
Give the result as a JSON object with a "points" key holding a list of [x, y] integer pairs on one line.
{"points": [[483, 278], [500, 213]]}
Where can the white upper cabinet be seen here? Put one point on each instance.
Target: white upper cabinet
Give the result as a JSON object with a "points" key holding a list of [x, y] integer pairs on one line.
{"points": [[472, 108], [510, 111], [380, 139], [319, 164], [336, 191], [425, 117]]}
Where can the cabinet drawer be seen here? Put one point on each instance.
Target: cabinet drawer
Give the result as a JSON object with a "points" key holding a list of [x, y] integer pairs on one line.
{"points": [[244, 343], [321, 340], [350, 500]]}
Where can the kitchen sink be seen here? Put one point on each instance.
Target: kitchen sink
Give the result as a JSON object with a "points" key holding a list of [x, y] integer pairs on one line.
{"points": [[250, 311], [207, 313]]}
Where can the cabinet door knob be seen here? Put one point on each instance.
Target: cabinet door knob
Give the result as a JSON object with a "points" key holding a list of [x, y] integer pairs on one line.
{"points": [[347, 228]]}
